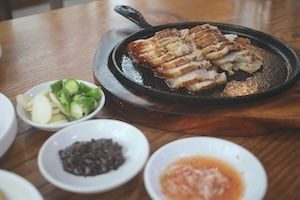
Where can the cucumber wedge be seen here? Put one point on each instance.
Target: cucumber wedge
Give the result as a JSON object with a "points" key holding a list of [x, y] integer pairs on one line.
{"points": [[57, 86], [58, 104], [72, 86], [94, 93]]}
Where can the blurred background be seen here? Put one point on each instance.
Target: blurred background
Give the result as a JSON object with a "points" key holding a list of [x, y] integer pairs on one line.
{"points": [[20, 8]]}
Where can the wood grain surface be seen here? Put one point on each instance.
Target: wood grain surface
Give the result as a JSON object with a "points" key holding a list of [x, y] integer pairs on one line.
{"points": [[62, 44]]}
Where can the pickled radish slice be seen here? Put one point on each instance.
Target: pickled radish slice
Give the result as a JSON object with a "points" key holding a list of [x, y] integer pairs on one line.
{"points": [[23, 100], [59, 122], [57, 117], [41, 109]]}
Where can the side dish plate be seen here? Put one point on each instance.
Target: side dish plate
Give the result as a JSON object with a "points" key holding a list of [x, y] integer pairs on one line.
{"points": [[135, 148], [244, 162]]}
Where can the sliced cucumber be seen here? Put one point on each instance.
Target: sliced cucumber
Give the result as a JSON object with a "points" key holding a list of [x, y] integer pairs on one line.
{"points": [[64, 98], [84, 88], [94, 93], [72, 86], [57, 86], [76, 110], [57, 103]]}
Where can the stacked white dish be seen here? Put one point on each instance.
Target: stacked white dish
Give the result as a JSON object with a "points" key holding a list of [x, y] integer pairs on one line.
{"points": [[8, 124]]}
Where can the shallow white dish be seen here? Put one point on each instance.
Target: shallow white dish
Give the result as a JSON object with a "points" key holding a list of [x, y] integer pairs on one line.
{"points": [[135, 149], [8, 124], [50, 127], [244, 162], [15, 187]]}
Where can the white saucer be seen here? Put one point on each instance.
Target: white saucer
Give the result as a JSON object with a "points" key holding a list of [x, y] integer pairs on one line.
{"points": [[135, 150], [15, 187]]}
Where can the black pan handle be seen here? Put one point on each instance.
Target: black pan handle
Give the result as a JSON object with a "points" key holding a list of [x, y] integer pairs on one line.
{"points": [[133, 15]]}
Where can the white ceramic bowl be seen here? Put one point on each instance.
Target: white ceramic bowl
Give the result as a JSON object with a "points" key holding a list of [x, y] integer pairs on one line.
{"points": [[25, 116], [15, 187], [8, 124], [245, 163], [135, 150]]}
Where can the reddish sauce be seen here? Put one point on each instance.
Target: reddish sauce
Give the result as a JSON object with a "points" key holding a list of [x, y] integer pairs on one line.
{"points": [[201, 178]]}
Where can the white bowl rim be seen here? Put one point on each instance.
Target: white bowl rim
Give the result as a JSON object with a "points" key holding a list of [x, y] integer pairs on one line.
{"points": [[12, 118], [95, 189], [23, 181], [10, 129], [155, 196], [60, 126]]}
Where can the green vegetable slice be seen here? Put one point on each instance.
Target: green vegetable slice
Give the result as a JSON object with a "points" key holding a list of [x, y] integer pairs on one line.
{"points": [[72, 86], [89, 105], [81, 106], [58, 104], [94, 93], [76, 110], [64, 98], [84, 88], [57, 86], [74, 99]]}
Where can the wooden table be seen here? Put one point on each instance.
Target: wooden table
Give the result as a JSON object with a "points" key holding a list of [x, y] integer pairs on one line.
{"points": [[62, 43]]}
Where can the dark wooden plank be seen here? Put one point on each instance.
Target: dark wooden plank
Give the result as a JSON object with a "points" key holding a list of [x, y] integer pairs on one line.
{"points": [[5, 10]]}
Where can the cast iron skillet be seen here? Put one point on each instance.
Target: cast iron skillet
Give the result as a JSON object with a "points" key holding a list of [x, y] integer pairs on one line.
{"points": [[280, 70]]}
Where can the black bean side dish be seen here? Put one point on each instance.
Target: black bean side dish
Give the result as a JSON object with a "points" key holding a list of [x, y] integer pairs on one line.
{"points": [[92, 158]]}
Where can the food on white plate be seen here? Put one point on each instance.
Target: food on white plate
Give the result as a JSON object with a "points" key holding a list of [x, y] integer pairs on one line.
{"points": [[25, 102], [195, 59], [66, 100], [204, 178], [91, 158], [41, 109]]}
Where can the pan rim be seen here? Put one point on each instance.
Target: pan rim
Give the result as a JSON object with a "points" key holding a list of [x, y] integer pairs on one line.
{"points": [[291, 78]]}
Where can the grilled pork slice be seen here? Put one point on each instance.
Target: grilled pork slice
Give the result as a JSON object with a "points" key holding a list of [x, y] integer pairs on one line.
{"points": [[207, 84], [212, 42], [182, 69], [153, 60], [194, 56], [245, 60], [169, 32], [164, 46], [206, 35], [190, 58], [191, 78]]}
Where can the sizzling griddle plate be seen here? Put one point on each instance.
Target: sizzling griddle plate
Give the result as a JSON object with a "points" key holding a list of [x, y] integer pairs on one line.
{"points": [[279, 72]]}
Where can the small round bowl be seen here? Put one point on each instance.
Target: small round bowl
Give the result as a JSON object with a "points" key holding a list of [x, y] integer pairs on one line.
{"points": [[8, 124], [135, 150], [245, 163], [25, 116], [14, 186]]}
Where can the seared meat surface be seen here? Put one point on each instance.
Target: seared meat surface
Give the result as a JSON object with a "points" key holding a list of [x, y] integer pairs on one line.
{"points": [[195, 59]]}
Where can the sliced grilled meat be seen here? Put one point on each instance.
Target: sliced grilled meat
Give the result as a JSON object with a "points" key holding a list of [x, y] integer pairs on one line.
{"points": [[192, 58]]}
